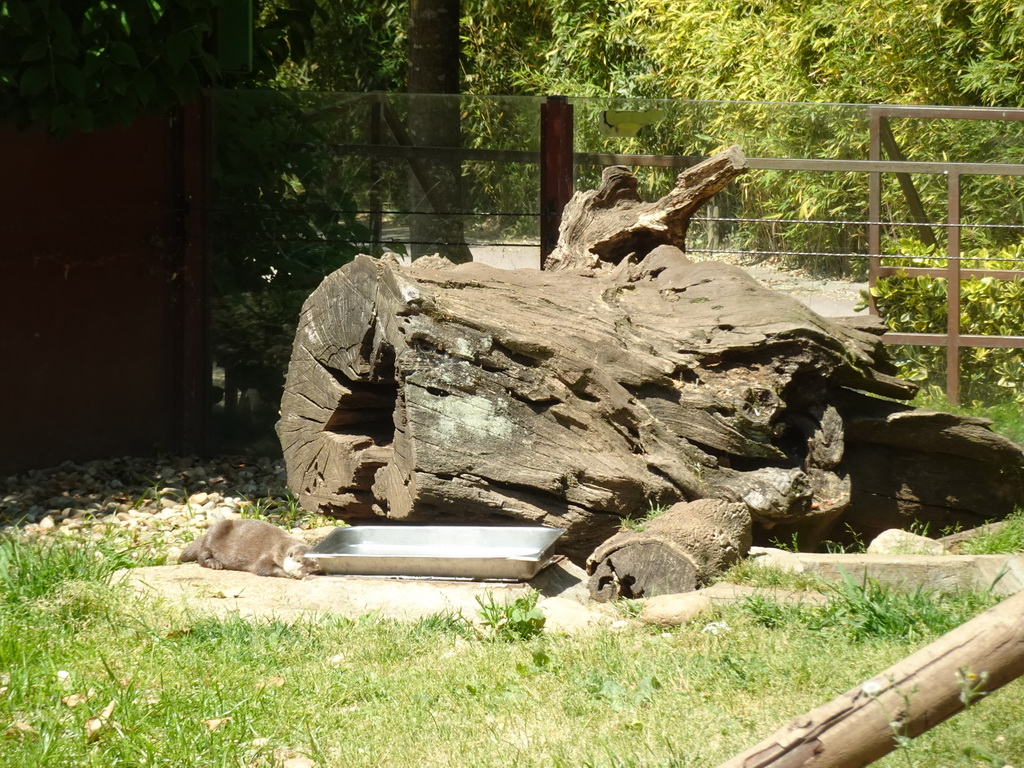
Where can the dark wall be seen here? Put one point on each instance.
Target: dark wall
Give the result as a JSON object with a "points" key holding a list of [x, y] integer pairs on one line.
{"points": [[101, 292]]}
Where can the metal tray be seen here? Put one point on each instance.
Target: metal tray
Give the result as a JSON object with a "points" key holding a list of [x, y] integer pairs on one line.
{"points": [[474, 552]]}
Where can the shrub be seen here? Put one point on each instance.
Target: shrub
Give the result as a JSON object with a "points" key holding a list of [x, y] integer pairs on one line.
{"points": [[988, 306]]}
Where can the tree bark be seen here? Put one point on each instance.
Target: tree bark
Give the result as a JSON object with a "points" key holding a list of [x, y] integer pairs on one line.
{"points": [[904, 701], [682, 549], [433, 43]]}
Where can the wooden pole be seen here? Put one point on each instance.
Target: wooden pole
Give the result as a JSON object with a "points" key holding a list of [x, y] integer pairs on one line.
{"points": [[905, 700], [556, 163]]}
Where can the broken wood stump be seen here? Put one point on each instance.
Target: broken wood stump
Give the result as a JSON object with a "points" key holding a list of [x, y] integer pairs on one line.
{"points": [[680, 550]]}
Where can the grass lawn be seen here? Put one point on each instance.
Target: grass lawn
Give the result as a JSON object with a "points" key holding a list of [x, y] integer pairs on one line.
{"points": [[91, 675]]}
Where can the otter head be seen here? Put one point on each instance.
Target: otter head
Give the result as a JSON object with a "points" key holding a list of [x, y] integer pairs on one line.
{"points": [[295, 565]]}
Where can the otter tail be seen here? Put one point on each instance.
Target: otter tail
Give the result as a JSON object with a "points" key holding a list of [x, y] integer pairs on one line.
{"points": [[190, 554]]}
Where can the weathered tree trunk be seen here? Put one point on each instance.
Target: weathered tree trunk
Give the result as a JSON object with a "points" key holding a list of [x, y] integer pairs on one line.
{"points": [[682, 549], [914, 465], [905, 700], [437, 392], [434, 69], [576, 397]]}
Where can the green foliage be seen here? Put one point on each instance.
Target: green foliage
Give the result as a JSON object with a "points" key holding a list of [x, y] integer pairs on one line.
{"points": [[989, 306], [511, 621], [86, 65], [871, 610], [871, 51], [587, 48], [359, 46], [98, 63]]}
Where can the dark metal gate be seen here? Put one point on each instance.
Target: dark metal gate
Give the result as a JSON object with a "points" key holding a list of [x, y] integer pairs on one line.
{"points": [[103, 299]]}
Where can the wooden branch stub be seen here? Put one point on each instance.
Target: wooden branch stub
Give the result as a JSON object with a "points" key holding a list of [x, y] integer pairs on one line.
{"points": [[602, 227]]}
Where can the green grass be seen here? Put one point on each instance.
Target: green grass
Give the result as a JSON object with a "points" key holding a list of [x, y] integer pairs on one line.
{"points": [[1007, 417], [640, 523], [868, 610], [1008, 539], [191, 690], [751, 574]]}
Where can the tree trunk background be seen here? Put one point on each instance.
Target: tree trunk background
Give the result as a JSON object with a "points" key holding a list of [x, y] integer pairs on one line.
{"points": [[627, 376], [434, 68]]}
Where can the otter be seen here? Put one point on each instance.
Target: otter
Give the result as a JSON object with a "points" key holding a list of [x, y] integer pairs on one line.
{"points": [[254, 546]]}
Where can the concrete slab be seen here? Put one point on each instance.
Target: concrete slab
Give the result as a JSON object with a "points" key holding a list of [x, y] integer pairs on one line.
{"points": [[221, 593], [1002, 574]]}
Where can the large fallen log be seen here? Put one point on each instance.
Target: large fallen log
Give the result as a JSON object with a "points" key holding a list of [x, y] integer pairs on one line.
{"points": [[577, 397], [938, 471], [467, 393], [905, 700]]}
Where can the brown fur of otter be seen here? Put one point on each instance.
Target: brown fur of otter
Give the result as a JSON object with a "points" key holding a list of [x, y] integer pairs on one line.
{"points": [[254, 546]]}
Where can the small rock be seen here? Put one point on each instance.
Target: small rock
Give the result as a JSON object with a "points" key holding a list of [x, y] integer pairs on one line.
{"points": [[198, 499], [674, 610], [47, 524], [898, 542]]}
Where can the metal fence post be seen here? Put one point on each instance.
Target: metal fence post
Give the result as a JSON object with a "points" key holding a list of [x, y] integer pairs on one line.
{"points": [[556, 169], [874, 206], [953, 290], [376, 174]]}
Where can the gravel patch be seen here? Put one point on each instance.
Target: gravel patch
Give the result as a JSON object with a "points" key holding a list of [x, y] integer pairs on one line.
{"points": [[152, 506]]}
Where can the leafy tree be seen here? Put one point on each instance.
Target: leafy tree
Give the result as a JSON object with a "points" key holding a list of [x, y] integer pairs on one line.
{"points": [[583, 48], [359, 46], [871, 51], [89, 64]]}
